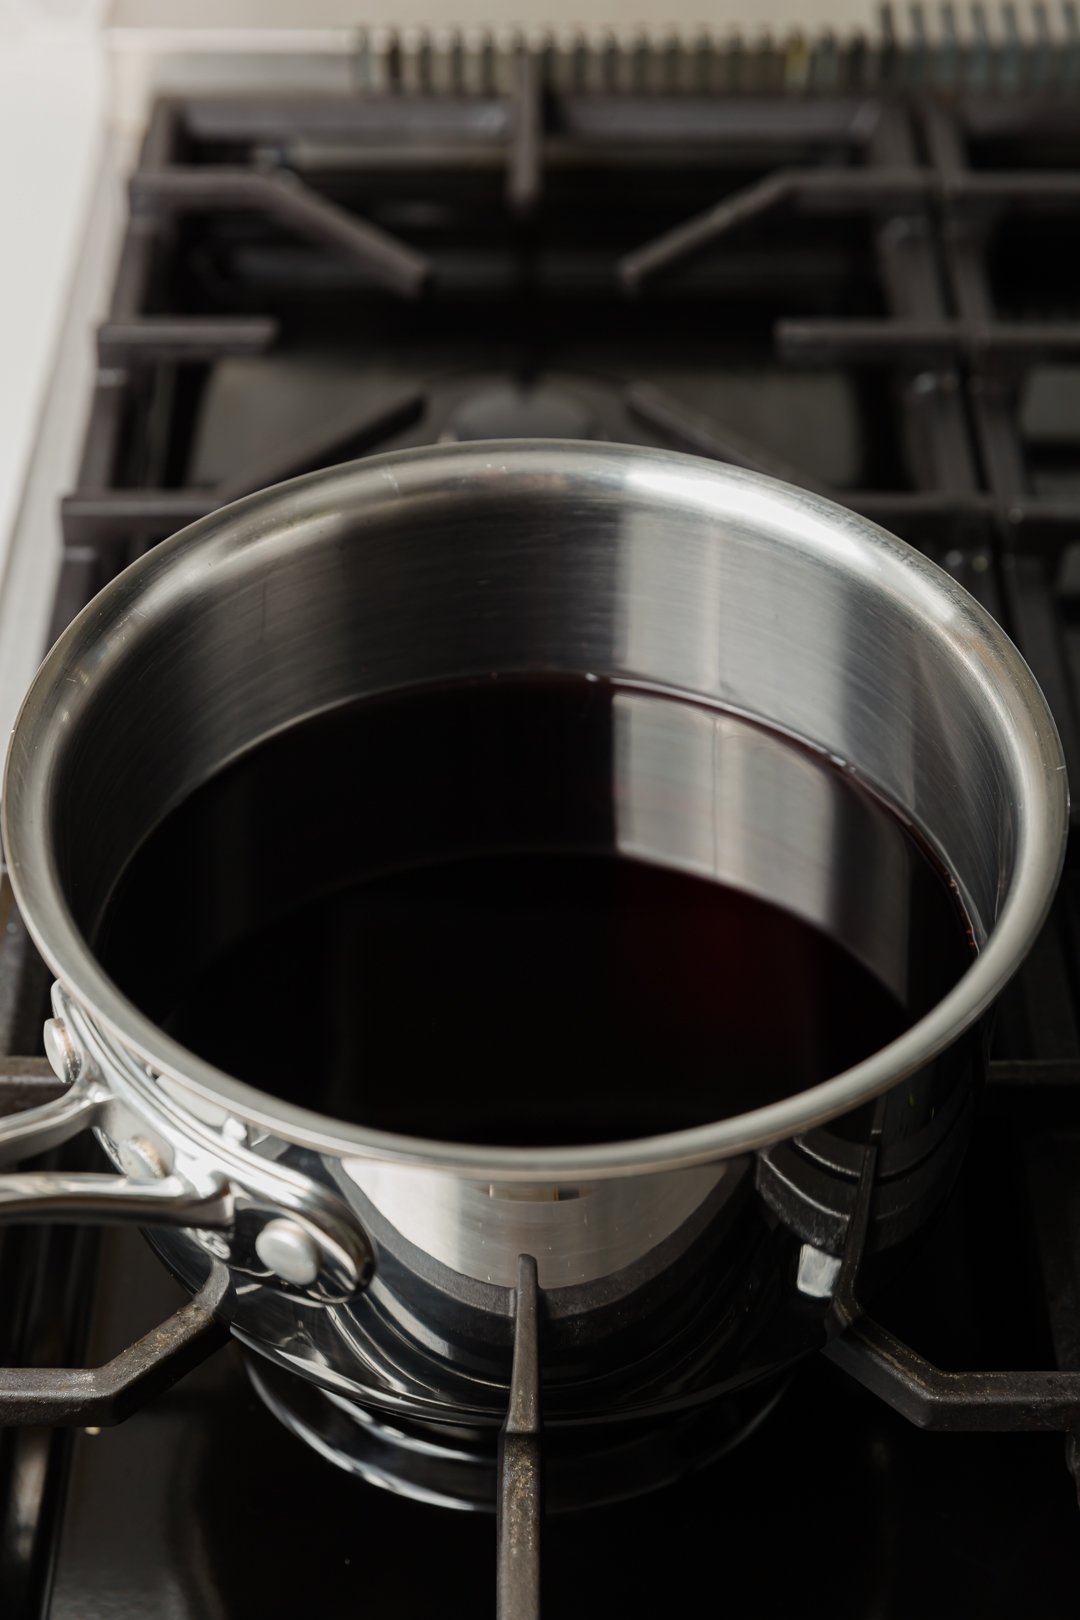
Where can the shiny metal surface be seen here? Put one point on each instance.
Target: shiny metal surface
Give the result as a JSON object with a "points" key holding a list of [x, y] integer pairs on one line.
{"points": [[51, 1195], [479, 1228], [635, 564], [40, 1129], [665, 574], [60, 1050], [233, 1205], [288, 1251]]}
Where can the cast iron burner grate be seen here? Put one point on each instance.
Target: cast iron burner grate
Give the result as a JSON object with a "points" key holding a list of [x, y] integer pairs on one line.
{"points": [[866, 294]]}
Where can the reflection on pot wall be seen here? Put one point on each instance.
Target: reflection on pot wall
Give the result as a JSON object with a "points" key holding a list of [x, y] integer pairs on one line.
{"points": [[578, 1232]]}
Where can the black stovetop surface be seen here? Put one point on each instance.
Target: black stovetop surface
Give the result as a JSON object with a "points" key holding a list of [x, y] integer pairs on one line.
{"points": [[883, 304]]}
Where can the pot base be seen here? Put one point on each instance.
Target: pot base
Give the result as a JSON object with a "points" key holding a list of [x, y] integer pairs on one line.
{"points": [[455, 1465]]}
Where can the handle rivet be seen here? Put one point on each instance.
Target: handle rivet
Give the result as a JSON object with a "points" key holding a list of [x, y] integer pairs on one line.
{"points": [[289, 1251], [65, 1060], [140, 1158]]}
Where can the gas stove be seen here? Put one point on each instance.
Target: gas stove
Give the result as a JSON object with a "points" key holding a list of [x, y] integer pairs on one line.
{"points": [[866, 288]]}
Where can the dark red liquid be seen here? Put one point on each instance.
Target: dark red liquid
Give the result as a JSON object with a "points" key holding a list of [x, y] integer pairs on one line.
{"points": [[410, 914]]}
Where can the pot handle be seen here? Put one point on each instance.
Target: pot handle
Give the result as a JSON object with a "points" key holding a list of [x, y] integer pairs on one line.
{"points": [[48, 1125], [276, 1233], [73, 1196]]}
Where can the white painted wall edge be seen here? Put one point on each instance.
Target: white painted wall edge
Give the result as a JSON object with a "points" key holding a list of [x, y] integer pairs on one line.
{"points": [[52, 128]]}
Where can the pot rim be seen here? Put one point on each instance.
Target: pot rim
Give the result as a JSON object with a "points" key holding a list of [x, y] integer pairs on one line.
{"points": [[794, 517]]}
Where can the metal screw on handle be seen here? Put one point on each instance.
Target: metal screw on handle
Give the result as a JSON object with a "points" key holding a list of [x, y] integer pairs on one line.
{"points": [[64, 1057]]}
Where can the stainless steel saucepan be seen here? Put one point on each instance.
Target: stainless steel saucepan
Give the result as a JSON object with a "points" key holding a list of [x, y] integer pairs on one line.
{"points": [[362, 1259]]}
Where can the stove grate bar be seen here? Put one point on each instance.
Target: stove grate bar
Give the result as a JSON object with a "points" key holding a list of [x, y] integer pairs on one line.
{"points": [[994, 1401], [850, 190], [520, 1502], [873, 190], [75, 1397], [524, 177], [870, 342], [931, 1398], [147, 338], [100, 516], [284, 198], [93, 516]]}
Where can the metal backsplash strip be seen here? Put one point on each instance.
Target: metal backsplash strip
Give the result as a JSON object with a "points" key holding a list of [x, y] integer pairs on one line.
{"points": [[949, 48]]}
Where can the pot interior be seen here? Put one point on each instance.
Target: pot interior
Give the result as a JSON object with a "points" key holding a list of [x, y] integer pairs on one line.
{"points": [[532, 911], [726, 682]]}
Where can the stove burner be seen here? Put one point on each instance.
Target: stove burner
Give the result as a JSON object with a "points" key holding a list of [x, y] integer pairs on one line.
{"points": [[522, 411], [456, 1465]]}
